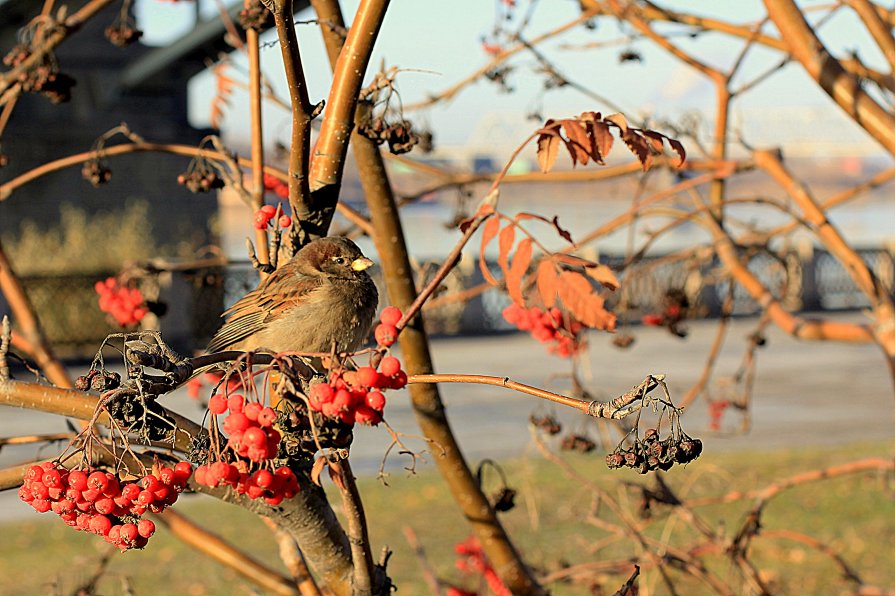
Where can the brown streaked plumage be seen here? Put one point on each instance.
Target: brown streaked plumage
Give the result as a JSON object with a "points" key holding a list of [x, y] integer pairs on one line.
{"points": [[321, 298]]}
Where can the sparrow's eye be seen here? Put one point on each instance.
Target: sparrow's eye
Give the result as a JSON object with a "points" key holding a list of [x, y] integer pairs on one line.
{"points": [[339, 260]]}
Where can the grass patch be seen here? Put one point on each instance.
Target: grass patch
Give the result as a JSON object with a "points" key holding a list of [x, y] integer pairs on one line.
{"points": [[552, 525]]}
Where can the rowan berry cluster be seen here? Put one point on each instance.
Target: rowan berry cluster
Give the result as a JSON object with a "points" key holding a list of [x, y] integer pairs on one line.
{"points": [[562, 335], [200, 179], [386, 331], [400, 136], [267, 213], [95, 501], [273, 184], [355, 396], [471, 560], [126, 305], [272, 486], [98, 380], [249, 426], [96, 173], [251, 439], [651, 453]]}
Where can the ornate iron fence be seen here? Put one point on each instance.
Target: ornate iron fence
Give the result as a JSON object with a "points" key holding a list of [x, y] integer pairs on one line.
{"points": [[195, 298]]}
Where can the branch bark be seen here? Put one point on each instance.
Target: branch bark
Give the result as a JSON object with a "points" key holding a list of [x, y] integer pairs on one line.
{"points": [[828, 72]]}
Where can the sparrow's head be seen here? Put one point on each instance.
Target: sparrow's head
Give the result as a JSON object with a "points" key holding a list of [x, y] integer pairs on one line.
{"points": [[335, 257]]}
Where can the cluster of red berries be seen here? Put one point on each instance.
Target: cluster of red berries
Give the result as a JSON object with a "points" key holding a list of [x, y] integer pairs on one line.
{"points": [[275, 185], [386, 331], [273, 486], [249, 426], [126, 305], [355, 396], [252, 438], [563, 337], [96, 501], [267, 213], [471, 560]]}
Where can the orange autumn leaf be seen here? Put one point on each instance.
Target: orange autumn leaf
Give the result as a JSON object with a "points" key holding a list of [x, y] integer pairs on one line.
{"points": [[517, 271]]}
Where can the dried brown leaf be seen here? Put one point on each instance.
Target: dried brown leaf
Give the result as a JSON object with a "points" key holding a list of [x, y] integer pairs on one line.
{"points": [[489, 231], [678, 148], [602, 139], [656, 139], [619, 120], [548, 149], [517, 271], [578, 139], [639, 147], [547, 279]]}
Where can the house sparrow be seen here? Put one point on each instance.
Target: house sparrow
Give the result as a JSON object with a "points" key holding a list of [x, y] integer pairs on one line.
{"points": [[322, 298]]}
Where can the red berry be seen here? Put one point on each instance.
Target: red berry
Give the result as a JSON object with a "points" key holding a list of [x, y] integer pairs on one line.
{"points": [[252, 409], [52, 479], [376, 400], [366, 415], [269, 210], [319, 394], [104, 505], [41, 505], [267, 417], [254, 437], [150, 483], [367, 376], [129, 532], [399, 381], [183, 470], [166, 475], [100, 524], [145, 528], [343, 400], [35, 473], [386, 334], [130, 491], [390, 315], [236, 403], [236, 421], [146, 498], [264, 478], [390, 366], [217, 404], [98, 481], [285, 221]]}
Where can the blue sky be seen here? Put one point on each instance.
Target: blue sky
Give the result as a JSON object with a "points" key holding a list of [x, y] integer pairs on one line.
{"points": [[443, 38]]}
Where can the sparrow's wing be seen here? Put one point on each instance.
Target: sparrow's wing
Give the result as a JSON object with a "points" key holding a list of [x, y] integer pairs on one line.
{"points": [[281, 292]]}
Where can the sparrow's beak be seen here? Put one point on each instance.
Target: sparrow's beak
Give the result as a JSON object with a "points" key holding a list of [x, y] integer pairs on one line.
{"points": [[361, 263]]}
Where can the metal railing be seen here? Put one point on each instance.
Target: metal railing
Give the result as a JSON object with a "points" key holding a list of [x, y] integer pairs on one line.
{"points": [[194, 299]]}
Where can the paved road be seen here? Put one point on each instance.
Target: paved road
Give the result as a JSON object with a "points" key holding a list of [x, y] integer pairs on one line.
{"points": [[805, 393]]}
